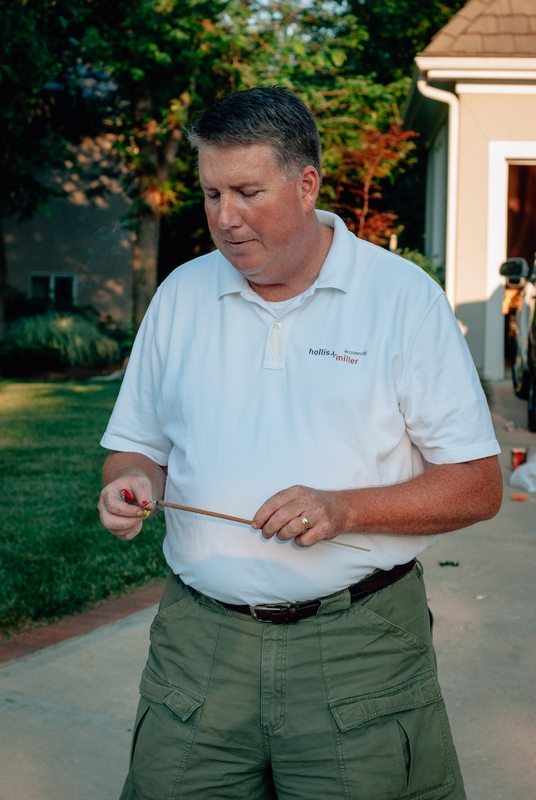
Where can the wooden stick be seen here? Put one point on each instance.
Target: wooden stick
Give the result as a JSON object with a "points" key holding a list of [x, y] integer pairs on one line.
{"points": [[242, 520], [343, 544], [202, 511]]}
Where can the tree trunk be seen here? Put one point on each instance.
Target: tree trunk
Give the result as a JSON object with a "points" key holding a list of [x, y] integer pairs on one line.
{"points": [[145, 260], [145, 264], [3, 279]]}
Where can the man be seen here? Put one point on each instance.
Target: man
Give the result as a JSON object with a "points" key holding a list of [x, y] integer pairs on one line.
{"points": [[319, 386]]}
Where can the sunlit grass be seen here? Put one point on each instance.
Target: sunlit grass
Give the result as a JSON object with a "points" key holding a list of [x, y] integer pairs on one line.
{"points": [[55, 557]]}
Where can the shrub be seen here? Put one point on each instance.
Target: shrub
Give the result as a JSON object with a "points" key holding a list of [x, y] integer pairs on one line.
{"points": [[487, 388], [17, 304], [54, 341], [427, 264]]}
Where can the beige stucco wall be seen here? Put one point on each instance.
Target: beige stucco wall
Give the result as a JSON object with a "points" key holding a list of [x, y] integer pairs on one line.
{"points": [[484, 118], [81, 234], [79, 238]]}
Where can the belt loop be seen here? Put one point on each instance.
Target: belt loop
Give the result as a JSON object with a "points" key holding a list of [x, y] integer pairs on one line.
{"points": [[333, 603]]}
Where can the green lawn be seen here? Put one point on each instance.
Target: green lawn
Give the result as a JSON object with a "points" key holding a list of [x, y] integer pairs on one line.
{"points": [[55, 557]]}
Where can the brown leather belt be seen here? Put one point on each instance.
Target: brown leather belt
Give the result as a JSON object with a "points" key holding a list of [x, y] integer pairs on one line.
{"points": [[280, 614]]}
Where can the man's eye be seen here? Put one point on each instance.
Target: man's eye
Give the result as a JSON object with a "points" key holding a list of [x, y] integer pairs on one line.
{"points": [[249, 194], [212, 196]]}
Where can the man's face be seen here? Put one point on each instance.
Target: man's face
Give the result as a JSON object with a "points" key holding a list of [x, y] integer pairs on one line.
{"points": [[258, 220]]}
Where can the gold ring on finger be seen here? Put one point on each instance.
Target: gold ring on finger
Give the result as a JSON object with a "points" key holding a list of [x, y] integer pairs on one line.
{"points": [[305, 523]]}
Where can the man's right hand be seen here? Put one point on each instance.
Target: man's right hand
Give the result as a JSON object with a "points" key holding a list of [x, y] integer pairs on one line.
{"points": [[145, 481], [120, 518]]}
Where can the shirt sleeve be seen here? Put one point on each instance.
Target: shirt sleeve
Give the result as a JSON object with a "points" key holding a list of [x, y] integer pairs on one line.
{"points": [[441, 397], [134, 425]]}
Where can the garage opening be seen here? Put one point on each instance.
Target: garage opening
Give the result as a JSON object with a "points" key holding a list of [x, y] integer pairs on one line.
{"points": [[521, 242], [521, 235]]}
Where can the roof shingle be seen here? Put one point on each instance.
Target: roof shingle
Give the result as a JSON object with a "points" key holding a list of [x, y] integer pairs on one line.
{"points": [[489, 27]]}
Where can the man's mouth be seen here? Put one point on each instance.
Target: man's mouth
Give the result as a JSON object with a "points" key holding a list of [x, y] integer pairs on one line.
{"points": [[238, 243]]}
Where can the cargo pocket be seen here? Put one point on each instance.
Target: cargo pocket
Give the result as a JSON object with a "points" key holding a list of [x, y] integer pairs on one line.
{"points": [[172, 613], [165, 729], [395, 744]]}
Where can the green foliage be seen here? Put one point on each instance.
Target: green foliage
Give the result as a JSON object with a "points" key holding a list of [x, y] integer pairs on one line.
{"points": [[74, 339], [32, 42], [156, 62], [322, 52], [18, 304], [55, 556], [487, 388], [140, 69], [427, 264], [396, 31], [312, 49], [161, 62]]}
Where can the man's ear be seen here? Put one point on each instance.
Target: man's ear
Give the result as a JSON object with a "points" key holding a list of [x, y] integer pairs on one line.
{"points": [[309, 186]]}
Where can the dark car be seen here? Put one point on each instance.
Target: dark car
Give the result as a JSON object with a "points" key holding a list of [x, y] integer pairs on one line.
{"points": [[520, 299]]}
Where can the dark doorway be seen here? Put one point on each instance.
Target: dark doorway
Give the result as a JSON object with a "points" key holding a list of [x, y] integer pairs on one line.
{"points": [[522, 212], [521, 243]]}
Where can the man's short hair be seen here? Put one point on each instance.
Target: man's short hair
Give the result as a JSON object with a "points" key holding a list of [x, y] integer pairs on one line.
{"points": [[265, 114]]}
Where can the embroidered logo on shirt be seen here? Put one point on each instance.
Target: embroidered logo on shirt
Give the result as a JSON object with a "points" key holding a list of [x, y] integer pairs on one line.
{"points": [[347, 355]]}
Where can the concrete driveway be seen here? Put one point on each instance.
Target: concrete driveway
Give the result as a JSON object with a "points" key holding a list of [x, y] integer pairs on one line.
{"points": [[485, 626], [67, 710]]}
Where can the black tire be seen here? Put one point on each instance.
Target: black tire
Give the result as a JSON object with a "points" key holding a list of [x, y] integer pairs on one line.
{"points": [[531, 402], [520, 376]]}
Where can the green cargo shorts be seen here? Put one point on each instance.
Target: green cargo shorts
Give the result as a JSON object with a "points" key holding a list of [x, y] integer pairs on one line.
{"points": [[343, 705]]}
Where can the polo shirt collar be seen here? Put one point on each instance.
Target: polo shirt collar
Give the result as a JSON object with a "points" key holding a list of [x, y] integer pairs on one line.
{"points": [[339, 267], [336, 273]]}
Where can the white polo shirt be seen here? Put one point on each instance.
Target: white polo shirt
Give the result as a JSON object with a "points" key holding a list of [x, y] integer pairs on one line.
{"points": [[351, 385]]}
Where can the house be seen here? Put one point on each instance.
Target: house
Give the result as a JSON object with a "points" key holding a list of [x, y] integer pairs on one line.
{"points": [[79, 251], [473, 100]]}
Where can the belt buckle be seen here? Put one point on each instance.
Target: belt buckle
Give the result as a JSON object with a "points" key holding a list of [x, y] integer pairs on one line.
{"points": [[274, 607]]}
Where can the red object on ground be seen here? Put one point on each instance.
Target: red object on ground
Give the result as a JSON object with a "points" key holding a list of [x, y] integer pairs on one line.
{"points": [[519, 456], [520, 497]]}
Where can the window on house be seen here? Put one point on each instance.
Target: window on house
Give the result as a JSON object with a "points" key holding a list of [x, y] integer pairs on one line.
{"points": [[54, 288], [40, 287]]}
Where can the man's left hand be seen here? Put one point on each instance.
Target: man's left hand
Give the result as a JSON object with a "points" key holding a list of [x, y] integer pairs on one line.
{"points": [[445, 497], [282, 514]]}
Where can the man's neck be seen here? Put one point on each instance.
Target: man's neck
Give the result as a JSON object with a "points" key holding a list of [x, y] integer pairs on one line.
{"points": [[317, 251]]}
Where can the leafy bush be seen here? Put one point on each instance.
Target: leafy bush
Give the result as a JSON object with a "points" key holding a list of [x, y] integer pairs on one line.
{"points": [[427, 264], [123, 338], [55, 341], [487, 387], [17, 304]]}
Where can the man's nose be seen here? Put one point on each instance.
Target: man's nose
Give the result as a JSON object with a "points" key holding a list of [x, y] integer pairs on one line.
{"points": [[228, 216]]}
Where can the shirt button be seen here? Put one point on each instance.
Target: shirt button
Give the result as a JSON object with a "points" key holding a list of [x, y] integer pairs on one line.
{"points": [[277, 325]]}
